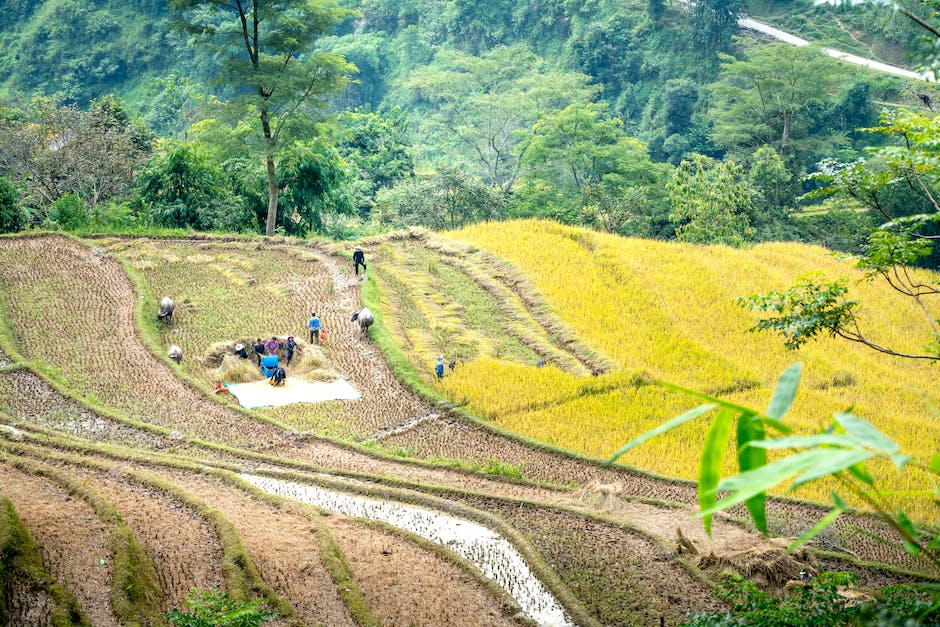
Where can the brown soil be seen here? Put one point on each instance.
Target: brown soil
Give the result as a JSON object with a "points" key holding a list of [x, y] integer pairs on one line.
{"points": [[402, 582], [594, 558], [71, 538], [284, 548], [183, 548], [26, 397], [333, 294], [90, 301], [28, 605]]}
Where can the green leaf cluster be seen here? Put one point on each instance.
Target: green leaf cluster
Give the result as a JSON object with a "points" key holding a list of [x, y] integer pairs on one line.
{"points": [[215, 609], [840, 451]]}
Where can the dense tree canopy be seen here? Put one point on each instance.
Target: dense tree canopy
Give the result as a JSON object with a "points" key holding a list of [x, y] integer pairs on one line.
{"points": [[270, 68]]}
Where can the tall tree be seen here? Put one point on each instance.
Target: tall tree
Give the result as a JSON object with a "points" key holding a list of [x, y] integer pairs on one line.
{"points": [[710, 201], [270, 67], [53, 151], [715, 22], [487, 105], [762, 100]]}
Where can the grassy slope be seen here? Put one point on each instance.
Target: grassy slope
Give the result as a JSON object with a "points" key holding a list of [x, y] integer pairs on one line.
{"points": [[667, 309]]}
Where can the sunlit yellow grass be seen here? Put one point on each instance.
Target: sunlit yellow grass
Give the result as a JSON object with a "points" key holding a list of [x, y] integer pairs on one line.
{"points": [[668, 309]]}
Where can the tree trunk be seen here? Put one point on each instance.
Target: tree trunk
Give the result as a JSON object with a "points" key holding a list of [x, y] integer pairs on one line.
{"points": [[272, 196], [269, 166]]}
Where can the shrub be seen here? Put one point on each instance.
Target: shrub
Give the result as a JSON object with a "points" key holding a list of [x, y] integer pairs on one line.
{"points": [[69, 212], [215, 609], [823, 600], [12, 217]]}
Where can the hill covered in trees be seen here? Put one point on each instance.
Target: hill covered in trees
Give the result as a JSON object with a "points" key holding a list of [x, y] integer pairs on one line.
{"points": [[449, 113]]}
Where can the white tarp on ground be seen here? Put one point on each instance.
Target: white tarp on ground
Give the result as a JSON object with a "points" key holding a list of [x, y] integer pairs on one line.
{"points": [[294, 390]]}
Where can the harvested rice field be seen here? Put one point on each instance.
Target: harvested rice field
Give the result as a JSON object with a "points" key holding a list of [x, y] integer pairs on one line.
{"points": [[123, 471]]}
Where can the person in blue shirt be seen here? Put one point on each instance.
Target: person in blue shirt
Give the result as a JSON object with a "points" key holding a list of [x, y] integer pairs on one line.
{"points": [[439, 368], [314, 326]]}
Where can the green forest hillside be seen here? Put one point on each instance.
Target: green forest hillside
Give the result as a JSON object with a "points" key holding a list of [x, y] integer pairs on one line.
{"points": [[617, 116]]}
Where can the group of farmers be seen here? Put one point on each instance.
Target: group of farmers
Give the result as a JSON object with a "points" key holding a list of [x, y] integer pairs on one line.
{"points": [[272, 346]]}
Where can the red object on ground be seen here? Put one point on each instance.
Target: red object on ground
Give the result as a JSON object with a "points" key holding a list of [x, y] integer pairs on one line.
{"points": [[220, 388], [322, 336]]}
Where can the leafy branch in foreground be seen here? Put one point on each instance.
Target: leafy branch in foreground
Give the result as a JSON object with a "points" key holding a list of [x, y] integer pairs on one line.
{"points": [[840, 451], [900, 183]]}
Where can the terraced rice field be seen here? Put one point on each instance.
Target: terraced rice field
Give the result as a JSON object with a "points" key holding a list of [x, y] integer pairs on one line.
{"points": [[124, 469], [652, 310]]}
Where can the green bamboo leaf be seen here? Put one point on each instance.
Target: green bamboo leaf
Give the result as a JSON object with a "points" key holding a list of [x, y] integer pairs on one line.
{"points": [[864, 432], [900, 460], [716, 442], [809, 441], [663, 428], [785, 391], [861, 473], [750, 430], [835, 461], [935, 463], [934, 545], [754, 482], [906, 524], [823, 523]]}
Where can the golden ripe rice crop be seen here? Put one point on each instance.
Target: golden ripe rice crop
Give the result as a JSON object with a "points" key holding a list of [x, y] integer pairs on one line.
{"points": [[667, 309]]}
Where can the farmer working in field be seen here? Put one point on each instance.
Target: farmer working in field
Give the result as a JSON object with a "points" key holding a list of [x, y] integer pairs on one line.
{"points": [[258, 348], [314, 326], [291, 346], [241, 351], [279, 376], [271, 346], [359, 259]]}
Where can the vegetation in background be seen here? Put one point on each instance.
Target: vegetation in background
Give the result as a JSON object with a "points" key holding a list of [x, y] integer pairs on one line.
{"points": [[269, 63], [53, 151], [909, 173], [571, 112], [12, 218]]}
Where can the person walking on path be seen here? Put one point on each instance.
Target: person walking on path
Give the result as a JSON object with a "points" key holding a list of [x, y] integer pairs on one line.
{"points": [[291, 346], [314, 326], [271, 346], [359, 259]]}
